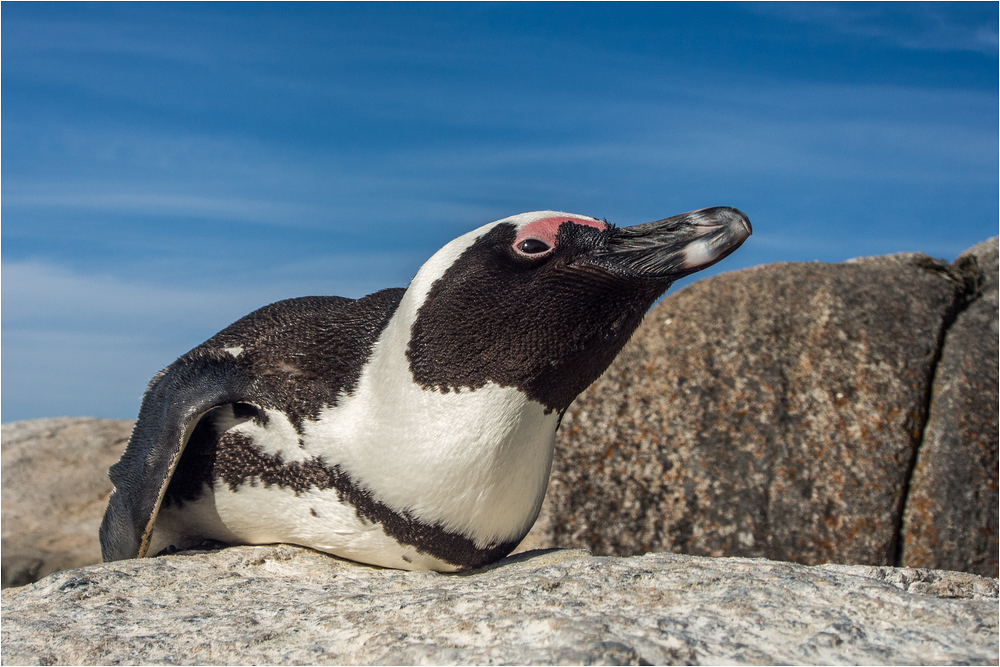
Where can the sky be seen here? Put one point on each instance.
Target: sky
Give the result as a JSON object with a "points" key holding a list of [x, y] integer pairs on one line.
{"points": [[167, 168]]}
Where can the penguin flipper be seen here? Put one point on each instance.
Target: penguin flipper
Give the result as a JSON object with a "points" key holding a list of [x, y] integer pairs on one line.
{"points": [[175, 401]]}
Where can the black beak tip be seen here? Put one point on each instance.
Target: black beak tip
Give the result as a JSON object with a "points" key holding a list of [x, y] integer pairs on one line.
{"points": [[745, 220], [733, 215]]}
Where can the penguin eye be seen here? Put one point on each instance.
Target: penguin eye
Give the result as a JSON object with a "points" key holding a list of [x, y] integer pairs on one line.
{"points": [[533, 246]]}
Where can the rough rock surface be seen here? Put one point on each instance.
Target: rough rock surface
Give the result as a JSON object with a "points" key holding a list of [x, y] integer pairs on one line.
{"points": [[951, 521], [771, 412], [287, 605], [54, 487]]}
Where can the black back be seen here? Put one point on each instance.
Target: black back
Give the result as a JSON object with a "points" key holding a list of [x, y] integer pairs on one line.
{"points": [[297, 356]]}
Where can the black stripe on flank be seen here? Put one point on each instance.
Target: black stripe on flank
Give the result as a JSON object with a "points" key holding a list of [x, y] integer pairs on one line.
{"points": [[234, 460]]}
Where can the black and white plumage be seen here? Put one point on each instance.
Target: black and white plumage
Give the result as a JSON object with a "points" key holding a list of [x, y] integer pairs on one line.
{"points": [[410, 428]]}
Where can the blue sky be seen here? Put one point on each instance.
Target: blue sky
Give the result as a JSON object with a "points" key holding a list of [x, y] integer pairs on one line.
{"points": [[167, 168]]}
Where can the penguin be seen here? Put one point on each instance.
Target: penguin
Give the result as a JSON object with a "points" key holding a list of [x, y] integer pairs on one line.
{"points": [[411, 428]]}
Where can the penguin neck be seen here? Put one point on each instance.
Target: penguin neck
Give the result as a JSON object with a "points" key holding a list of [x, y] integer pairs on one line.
{"points": [[472, 461]]}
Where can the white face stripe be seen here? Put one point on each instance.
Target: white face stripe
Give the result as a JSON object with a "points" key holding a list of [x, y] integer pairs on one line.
{"points": [[440, 261]]}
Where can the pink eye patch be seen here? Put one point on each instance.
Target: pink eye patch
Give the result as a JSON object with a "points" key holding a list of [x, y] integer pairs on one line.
{"points": [[545, 229]]}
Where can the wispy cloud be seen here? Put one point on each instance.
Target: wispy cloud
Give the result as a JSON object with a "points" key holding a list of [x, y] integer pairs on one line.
{"points": [[87, 344], [241, 209], [921, 26], [775, 128], [44, 295]]}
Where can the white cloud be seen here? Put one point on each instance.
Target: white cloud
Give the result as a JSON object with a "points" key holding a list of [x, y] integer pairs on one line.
{"points": [[38, 293], [861, 132], [58, 195], [78, 345], [85, 344], [925, 26], [782, 130]]}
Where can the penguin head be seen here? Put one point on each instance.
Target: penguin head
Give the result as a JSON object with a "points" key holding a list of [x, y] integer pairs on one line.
{"points": [[544, 301]]}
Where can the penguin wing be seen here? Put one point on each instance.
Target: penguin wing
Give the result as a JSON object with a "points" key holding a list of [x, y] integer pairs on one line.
{"points": [[241, 364], [174, 402]]}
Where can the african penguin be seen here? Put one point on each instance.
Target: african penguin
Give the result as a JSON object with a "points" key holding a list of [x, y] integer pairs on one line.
{"points": [[411, 428]]}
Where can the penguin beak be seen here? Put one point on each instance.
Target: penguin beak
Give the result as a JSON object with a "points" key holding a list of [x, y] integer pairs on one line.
{"points": [[674, 247]]}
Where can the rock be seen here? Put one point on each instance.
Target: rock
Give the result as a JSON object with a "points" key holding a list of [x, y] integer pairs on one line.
{"points": [[950, 521], [771, 412], [55, 486], [288, 605]]}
